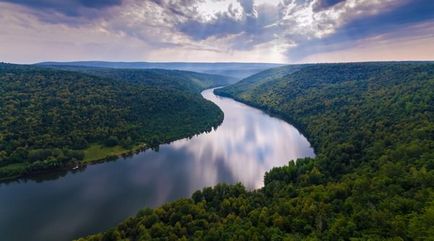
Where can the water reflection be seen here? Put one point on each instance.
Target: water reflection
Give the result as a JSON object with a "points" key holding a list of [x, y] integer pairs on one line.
{"points": [[247, 144]]}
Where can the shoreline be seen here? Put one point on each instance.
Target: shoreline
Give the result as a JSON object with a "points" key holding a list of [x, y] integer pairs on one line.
{"points": [[82, 164], [69, 167]]}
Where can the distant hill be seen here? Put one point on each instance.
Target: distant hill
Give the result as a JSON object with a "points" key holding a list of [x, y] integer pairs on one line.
{"points": [[235, 70], [179, 79], [261, 78]]}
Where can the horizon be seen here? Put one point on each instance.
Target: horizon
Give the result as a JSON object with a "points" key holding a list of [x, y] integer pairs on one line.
{"points": [[220, 62], [236, 31]]}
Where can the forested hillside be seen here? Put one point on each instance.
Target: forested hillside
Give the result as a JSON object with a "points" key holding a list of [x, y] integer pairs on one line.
{"points": [[177, 79], [55, 118], [261, 78], [235, 70], [372, 125]]}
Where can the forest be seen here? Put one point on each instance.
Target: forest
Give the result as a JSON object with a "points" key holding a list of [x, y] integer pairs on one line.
{"points": [[372, 127], [53, 118], [232, 69], [177, 79]]}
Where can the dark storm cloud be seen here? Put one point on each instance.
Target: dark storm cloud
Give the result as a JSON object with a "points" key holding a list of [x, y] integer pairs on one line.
{"points": [[72, 8]]}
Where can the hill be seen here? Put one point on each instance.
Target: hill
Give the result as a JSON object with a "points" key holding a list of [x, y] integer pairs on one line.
{"points": [[55, 118], [234, 70], [372, 125], [261, 78], [178, 79]]}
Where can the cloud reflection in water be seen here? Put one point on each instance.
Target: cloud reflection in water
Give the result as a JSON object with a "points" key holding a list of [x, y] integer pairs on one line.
{"points": [[246, 145]]}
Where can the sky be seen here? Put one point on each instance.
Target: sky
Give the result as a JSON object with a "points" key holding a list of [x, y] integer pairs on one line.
{"points": [[274, 31]]}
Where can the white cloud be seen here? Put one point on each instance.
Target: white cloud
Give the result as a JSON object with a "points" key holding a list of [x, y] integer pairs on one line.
{"points": [[409, 43]]}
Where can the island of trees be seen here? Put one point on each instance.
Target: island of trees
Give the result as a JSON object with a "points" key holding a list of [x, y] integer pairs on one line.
{"points": [[372, 125], [60, 117]]}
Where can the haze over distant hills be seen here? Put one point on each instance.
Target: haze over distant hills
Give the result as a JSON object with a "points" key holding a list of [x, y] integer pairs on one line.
{"points": [[236, 70]]}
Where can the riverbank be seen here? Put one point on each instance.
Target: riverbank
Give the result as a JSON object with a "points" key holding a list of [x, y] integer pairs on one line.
{"points": [[95, 153], [98, 153]]}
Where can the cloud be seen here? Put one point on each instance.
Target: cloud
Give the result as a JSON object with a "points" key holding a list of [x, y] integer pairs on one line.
{"points": [[73, 8], [287, 23], [25, 39], [368, 23], [249, 25], [239, 29], [411, 43]]}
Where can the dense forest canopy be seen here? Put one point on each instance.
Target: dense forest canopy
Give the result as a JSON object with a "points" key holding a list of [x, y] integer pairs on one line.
{"points": [[263, 77], [49, 117], [372, 125], [176, 79]]}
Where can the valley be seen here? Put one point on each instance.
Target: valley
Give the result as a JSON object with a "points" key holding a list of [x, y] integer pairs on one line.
{"points": [[371, 125], [68, 204]]}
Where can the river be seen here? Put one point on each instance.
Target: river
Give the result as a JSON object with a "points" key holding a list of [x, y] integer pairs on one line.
{"points": [[53, 208]]}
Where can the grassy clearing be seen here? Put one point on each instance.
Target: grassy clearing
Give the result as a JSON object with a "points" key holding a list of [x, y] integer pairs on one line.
{"points": [[98, 152], [94, 153]]}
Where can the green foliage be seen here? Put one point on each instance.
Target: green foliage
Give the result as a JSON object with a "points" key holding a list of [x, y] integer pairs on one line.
{"points": [[175, 79], [372, 125], [49, 117], [261, 78]]}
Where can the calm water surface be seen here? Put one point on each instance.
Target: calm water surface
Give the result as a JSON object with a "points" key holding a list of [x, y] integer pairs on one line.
{"points": [[242, 149]]}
